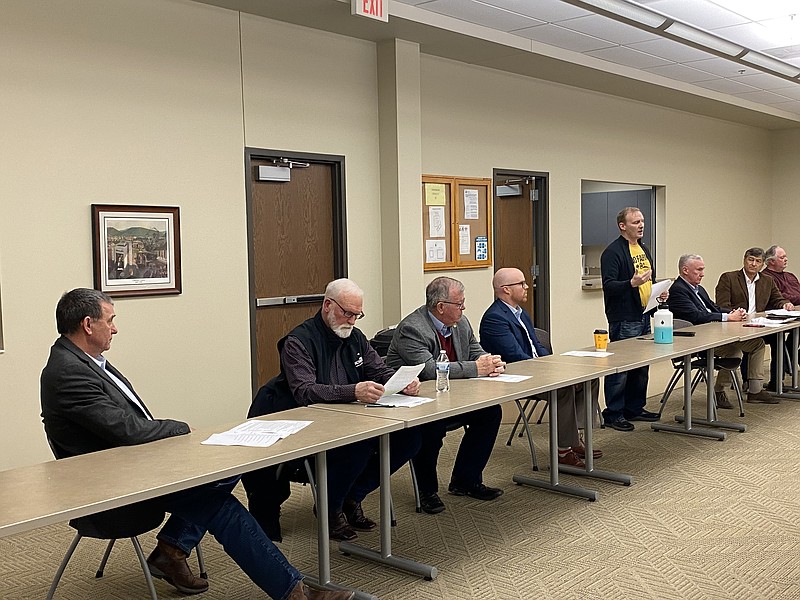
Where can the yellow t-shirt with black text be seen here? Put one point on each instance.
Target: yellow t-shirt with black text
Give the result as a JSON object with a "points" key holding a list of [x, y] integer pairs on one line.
{"points": [[641, 265]]}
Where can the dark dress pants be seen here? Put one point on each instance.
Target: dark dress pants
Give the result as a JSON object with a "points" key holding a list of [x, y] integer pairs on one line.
{"points": [[473, 453], [626, 393]]}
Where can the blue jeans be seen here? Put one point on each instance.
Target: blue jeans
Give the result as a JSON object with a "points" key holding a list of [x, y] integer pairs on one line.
{"points": [[626, 393], [212, 507]]}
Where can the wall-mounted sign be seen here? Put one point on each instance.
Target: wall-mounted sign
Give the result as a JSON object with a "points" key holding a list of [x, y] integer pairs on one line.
{"points": [[373, 9]]}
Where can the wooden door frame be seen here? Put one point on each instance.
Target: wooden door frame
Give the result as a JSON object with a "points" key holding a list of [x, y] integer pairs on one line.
{"points": [[541, 232], [339, 225]]}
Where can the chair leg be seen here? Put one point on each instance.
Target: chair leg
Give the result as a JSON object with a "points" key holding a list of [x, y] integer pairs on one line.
{"points": [[670, 387], [738, 389], [63, 565], [517, 422], [541, 416], [201, 562], [101, 569], [527, 428], [415, 485], [149, 578], [310, 475]]}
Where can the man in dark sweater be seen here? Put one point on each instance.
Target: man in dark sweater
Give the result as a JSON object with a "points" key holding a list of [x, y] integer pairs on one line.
{"points": [[776, 260], [628, 274], [327, 359]]}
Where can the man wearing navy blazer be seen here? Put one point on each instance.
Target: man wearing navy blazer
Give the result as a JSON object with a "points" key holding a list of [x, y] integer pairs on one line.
{"points": [[688, 300], [507, 329]]}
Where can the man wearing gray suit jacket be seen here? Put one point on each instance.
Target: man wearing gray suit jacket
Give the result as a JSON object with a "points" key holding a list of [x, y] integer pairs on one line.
{"points": [[419, 338]]}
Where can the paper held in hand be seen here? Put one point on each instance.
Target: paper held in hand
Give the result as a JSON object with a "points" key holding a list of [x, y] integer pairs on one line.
{"points": [[658, 289], [402, 377]]}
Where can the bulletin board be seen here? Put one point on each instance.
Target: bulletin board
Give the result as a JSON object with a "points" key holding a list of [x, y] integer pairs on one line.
{"points": [[456, 222]]}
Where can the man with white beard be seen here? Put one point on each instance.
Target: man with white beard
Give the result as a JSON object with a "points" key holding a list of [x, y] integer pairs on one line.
{"points": [[328, 359]]}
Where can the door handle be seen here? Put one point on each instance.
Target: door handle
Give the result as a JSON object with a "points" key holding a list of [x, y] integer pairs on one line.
{"points": [[281, 300]]}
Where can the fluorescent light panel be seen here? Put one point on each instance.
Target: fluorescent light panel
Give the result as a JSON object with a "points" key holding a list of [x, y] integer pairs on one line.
{"points": [[703, 38], [632, 12], [762, 61]]}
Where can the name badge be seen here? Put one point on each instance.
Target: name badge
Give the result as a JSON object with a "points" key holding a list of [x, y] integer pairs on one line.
{"points": [[360, 361]]}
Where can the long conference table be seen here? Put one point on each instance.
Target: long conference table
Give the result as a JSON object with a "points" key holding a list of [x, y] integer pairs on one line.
{"points": [[57, 491]]}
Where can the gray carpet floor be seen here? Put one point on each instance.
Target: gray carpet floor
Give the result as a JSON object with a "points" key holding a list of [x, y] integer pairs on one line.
{"points": [[703, 519]]}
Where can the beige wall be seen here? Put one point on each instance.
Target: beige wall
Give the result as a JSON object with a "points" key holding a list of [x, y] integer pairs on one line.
{"points": [[147, 102]]}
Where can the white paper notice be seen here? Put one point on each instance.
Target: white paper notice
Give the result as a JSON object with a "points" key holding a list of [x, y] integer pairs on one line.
{"points": [[507, 378], [463, 239], [435, 251], [256, 433], [401, 378], [401, 401], [781, 312], [765, 322], [594, 353], [658, 289], [470, 204], [436, 221]]}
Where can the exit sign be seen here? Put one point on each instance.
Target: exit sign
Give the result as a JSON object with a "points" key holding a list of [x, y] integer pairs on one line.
{"points": [[374, 9]]}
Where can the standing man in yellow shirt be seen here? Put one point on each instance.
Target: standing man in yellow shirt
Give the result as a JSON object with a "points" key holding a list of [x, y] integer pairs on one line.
{"points": [[628, 274]]}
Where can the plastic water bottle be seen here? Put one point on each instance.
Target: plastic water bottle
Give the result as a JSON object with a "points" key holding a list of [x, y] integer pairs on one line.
{"points": [[442, 372], [662, 329]]}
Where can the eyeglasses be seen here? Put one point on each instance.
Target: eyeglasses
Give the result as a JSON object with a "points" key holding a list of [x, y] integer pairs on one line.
{"points": [[524, 284], [460, 305], [348, 314]]}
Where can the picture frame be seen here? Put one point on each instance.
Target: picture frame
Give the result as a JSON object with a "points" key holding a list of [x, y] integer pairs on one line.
{"points": [[137, 249]]}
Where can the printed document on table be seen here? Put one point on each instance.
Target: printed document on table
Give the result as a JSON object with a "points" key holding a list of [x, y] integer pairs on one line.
{"points": [[765, 322], [658, 289], [257, 433], [401, 401], [402, 377], [780, 312], [595, 353], [506, 378]]}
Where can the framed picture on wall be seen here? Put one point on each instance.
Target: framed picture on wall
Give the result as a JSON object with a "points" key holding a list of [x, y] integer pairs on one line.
{"points": [[137, 249]]}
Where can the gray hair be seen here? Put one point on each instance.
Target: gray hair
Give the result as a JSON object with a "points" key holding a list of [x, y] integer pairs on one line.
{"points": [[683, 260], [76, 305], [338, 287], [755, 252], [770, 253], [438, 290]]}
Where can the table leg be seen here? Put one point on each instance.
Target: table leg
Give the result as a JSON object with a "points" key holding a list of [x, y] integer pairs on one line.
{"points": [[686, 419], [590, 471], [792, 392], [323, 580], [553, 484], [385, 555], [711, 407]]}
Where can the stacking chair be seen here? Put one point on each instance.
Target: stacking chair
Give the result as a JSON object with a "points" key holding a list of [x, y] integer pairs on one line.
{"points": [[125, 522], [700, 364]]}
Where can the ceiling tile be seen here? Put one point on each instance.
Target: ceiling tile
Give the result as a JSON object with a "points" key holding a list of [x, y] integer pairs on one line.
{"points": [[544, 10], [630, 58], [608, 29], [563, 38], [671, 50], [752, 35], [681, 73], [763, 81], [702, 13], [722, 67], [481, 14], [790, 92], [726, 86]]}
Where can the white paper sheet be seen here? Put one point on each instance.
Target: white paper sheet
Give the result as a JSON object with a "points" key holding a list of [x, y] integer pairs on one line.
{"points": [[471, 210], [256, 433], [400, 401], [401, 378], [507, 378], [595, 353], [658, 289], [464, 246], [784, 313], [768, 322], [436, 221], [435, 251]]}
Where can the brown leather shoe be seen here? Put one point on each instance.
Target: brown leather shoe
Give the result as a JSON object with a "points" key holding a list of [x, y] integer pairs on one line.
{"points": [[571, 459], [355, 516], [169, 563], [302, 592], [339, 529], [721, 398], [762, 397], [581, 452]]}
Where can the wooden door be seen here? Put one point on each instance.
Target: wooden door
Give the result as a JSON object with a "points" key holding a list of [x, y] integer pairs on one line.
{"points": [[521, 236], [296, 233]]}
